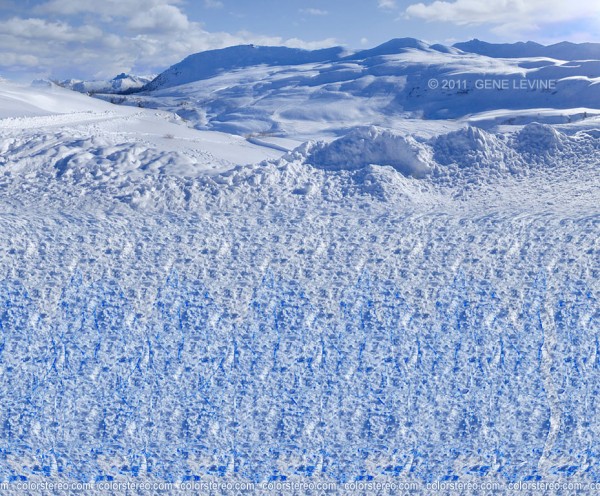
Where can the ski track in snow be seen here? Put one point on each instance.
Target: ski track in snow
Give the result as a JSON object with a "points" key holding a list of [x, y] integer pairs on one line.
{"points": [[384, 304]]}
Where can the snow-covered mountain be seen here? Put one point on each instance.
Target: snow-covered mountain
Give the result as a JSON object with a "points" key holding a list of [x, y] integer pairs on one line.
{"points": [[284, 92], [561, 51], [211, 63], [120, 84]]}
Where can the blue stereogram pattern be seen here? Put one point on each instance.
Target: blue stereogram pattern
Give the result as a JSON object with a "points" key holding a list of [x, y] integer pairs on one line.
{"points": [[379, 387]]}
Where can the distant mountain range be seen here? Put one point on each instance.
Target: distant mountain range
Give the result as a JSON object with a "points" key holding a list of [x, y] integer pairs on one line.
{"points": [[211, 63], [123, 83], [562, 51], [255, 90], [208, 64]]}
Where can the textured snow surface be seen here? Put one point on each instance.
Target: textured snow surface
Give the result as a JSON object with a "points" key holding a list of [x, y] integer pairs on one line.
{"points": [[418, 305]]}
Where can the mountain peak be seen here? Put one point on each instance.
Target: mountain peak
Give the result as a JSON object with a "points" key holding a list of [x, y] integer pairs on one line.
{"points": [[210, 63], [392, 47]]}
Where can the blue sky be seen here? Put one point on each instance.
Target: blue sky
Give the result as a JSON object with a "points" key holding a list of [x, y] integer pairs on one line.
{"points": [[97, 39]]}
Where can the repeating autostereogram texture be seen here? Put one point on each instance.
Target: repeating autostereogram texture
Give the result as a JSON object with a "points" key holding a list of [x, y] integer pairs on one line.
{"points": [[385, 384]]}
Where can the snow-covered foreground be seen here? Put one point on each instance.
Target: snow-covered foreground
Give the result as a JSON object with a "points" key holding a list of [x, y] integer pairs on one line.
{"points": [[54, 124], [392, 305]]}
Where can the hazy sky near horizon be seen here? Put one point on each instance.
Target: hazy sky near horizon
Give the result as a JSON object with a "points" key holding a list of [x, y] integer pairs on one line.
{"points": [[98, 39]]}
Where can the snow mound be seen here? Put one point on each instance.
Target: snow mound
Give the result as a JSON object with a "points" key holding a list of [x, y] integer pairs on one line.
{"points": [[469, 146], [366, 146], [540, 139]]}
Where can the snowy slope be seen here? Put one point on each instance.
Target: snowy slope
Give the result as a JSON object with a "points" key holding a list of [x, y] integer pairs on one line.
{"points": [[47, 99], [414, 301], [51, 122], [207, 64], [276, 92]]}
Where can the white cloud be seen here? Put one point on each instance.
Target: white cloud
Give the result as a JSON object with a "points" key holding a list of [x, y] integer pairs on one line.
{"points": [[213, 4], [314, 12], [45, 30], [162, 18], [55, 47], [106, 8], [507, 16], [149, 41], [12, 59], [386, 4], [98, 39]]}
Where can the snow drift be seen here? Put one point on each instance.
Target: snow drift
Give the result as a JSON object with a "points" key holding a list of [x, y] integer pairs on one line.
{"points": [[536, 138], [371, 145], [471, 147]]}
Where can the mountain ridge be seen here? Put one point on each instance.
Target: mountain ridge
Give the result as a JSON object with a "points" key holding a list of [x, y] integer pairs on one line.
{"points": [[203, 65], [564, 50], [121, 84], [210, 63]]}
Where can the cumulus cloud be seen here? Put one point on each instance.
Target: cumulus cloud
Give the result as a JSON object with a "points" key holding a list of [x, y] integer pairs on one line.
{"points": [[161, 18], [17, 60], [508, 16], [108, 8], [147, 41], [92, 39], [43, 46], [45, 30]]}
